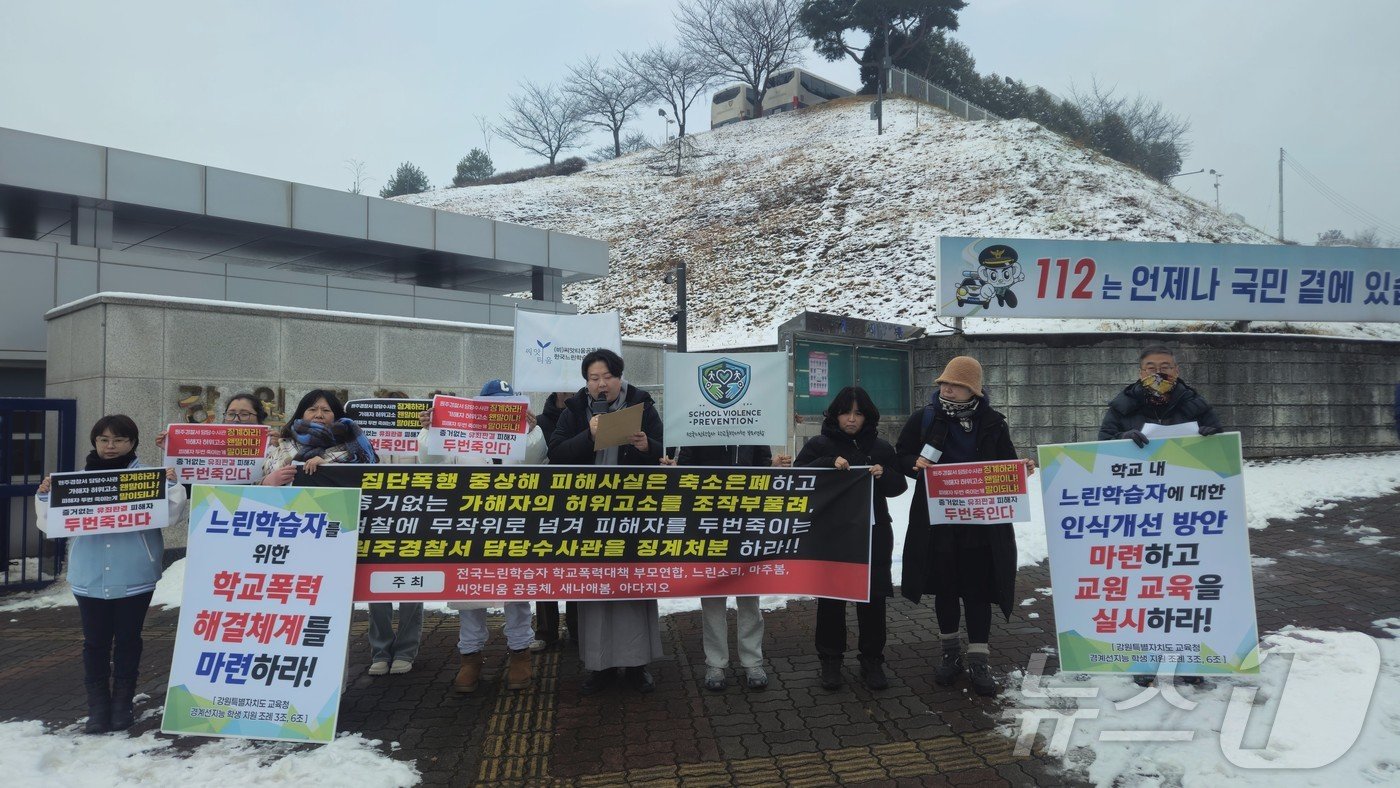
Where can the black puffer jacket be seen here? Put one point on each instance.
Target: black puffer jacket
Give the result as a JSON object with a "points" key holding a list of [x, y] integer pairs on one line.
{"points": [[572, 443], [726, 456], [866, 448], [1130, 410], [991, 441]]}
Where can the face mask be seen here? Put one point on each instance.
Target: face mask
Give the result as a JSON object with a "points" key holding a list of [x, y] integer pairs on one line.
{"points": [[1157, 384]]}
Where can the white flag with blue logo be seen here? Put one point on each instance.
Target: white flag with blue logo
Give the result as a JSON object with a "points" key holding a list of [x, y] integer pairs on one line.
{"points": [[549, 349]]}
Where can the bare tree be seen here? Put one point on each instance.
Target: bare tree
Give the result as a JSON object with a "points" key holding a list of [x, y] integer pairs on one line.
{"points": [[484, 124], [748, 40], [673, 76], [605, 96], [1149, 122], [357, 172], [542, 119]]}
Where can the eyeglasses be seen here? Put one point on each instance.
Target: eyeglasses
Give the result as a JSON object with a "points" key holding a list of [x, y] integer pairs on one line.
{"points": [[240, 415], [104, 440], [1158, 367]]}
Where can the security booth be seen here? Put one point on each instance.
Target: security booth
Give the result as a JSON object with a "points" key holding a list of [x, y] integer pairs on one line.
{"points": [[830, 352]]}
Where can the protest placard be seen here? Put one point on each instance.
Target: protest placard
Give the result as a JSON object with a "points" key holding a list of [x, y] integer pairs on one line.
{"points": [[978, 492], [265, 616], [390, 425], [95, 502], [726, 399], [1149, 556], [216, 453], [578, 532], [492, 428]]}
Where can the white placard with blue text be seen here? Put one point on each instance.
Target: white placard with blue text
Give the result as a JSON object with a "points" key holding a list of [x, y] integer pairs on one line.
{"points": [[265, 615], [726, 399], [550, 348], [1020, 277], [1149, 556]]}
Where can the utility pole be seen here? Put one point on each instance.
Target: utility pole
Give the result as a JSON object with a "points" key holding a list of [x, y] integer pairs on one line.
{"points": [[1217, 175], [677, 275], [1280, 195], [880, 77]]}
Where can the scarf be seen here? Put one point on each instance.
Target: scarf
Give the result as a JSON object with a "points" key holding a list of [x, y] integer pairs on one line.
{"points": [[314, 440], [609, 455], [1158, 389], [961, 412], [96, 463]]}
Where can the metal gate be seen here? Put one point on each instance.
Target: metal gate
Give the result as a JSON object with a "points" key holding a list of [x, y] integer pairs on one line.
{"points": [[37, 437]]}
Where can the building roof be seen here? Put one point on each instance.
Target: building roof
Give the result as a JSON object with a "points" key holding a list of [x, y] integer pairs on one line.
{"points": [[167, 207]]}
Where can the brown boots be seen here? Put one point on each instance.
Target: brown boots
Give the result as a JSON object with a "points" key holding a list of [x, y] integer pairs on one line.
{"points": [[520, 671], [469, 674]]}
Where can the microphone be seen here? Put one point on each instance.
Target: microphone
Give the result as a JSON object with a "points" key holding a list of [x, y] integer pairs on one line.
{"points": [[599, 405]]}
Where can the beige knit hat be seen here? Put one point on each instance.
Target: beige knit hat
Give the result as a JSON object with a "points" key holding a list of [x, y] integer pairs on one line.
{"points": [[964, 371]]}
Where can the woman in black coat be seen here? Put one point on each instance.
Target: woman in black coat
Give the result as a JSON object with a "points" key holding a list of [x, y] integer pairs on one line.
{"points": [[971, 564], [848, 439]]}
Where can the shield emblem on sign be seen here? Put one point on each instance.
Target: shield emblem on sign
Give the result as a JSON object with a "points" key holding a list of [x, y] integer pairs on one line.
{"points": [[724, 382]]}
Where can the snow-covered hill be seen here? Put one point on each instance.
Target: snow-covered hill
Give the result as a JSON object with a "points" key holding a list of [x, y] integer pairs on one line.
{"points": [[812, 210]]}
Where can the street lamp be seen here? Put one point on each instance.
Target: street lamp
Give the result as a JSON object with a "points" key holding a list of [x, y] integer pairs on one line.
{"points": [[1217, 187], [665, 134]]}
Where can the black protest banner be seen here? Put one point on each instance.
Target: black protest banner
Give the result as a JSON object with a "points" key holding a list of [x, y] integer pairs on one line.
{"points": [[391, 425], [89, 502], [507, 532]]}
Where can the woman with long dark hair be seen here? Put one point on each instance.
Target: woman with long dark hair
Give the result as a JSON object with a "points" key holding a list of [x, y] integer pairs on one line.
{"points": [[849, 439]]}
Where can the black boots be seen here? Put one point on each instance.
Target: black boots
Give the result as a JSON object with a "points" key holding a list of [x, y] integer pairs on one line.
{"points": [[872, 672], [99, 700], [950, 668], [831, 673], [980, 672], [123, 691]]}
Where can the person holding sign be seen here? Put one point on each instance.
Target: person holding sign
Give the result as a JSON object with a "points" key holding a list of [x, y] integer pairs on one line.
{"points": [[472, 632], [113, 576], [318, 433], [1159, 396], [622, 634], [849, 439], [968, 568], [713, 608]]}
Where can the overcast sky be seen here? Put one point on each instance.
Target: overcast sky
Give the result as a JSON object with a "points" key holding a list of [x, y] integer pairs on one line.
{"points": [[294, 90]]}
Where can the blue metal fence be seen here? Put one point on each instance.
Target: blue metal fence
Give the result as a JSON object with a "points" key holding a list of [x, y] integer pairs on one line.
{"points": [[37, 437]]}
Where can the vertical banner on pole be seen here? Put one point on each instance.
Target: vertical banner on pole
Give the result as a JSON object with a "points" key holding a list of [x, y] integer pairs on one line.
{"points": [[550, 348], [726, 399], [265, 618]]}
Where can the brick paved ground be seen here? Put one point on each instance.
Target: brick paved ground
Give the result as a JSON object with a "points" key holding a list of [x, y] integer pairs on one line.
{"points": [[794, 733]]}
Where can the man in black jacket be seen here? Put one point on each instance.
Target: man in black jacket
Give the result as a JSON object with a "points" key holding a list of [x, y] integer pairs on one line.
{"points": [[1159, 396]]}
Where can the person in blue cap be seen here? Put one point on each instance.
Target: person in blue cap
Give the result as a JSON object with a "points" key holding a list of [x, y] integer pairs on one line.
{"points": [[472, 632]]}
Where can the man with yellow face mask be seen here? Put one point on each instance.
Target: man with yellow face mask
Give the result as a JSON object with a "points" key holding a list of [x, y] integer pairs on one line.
{"points": [[1159, 396]]}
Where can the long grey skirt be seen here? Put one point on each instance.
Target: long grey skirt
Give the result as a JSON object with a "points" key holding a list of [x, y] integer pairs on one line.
{"points": [[619, 634]]}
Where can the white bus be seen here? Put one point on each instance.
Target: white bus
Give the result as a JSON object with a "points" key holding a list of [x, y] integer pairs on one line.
{"points": [[733, 104], [795, 89]]}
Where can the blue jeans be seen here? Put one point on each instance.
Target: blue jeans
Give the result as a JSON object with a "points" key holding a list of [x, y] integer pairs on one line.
{"points": [[384, 644]]}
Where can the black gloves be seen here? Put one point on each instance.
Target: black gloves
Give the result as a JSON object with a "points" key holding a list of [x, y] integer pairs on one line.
{"points": [[1208, 430], [1135, 436]]}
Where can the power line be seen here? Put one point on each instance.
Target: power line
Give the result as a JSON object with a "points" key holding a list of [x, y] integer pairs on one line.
{"points": [[1355, 211]]}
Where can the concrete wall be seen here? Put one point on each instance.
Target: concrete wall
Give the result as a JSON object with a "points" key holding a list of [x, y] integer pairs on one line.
{"points": [[40, 275], [159, 361], [1287, 395]]}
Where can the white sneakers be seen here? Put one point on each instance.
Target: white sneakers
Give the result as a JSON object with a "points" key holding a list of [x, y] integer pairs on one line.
{"points": [[379, 667]]}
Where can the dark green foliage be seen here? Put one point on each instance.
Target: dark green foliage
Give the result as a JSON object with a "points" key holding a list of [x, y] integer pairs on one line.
{"points": [[568, 166], [409, 178], [474, 166]]}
